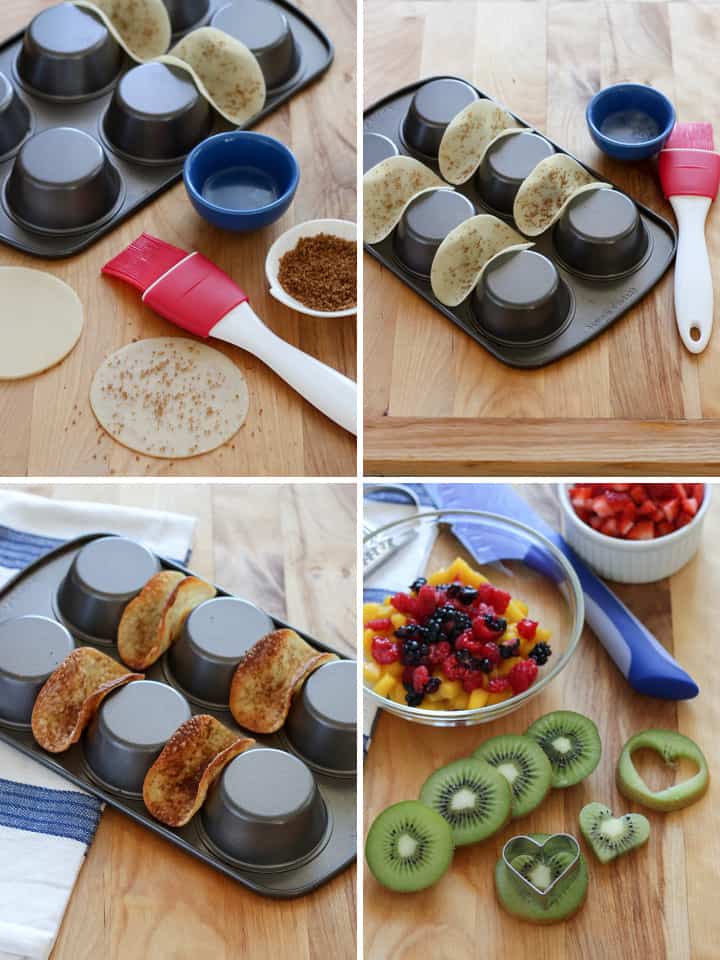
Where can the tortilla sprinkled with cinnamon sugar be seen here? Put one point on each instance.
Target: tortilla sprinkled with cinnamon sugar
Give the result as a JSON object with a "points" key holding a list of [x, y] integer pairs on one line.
{"points": [[545, 193], [72, 694], [176, 785], [169, 397], [268, 677], [468, 136], [141, 27], [388, 189]]}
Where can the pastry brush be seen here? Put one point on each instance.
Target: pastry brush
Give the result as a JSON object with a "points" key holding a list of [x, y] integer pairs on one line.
{"points": [[190, 291], [689, 172]]}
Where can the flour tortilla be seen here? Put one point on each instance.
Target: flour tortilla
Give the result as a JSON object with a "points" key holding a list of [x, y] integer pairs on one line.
{"points": [[468, 136], [464, 254], [545, 193], [169, 397], [41, 319], [225, 72], [141, 27], [388, 189]]}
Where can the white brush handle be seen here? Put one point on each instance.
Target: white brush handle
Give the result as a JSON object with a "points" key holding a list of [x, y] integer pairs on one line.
{"points": [[331, 392], [693, 279]]}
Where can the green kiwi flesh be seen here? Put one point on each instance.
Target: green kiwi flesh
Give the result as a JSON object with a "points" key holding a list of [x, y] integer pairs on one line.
{"points": [[409, 847], [560, 903], [671, 746], [611, 836], [472, 797], [571, 742], [524, 765]]}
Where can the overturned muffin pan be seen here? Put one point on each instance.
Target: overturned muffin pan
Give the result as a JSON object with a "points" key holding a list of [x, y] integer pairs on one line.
{"points": [[533, 306], [280, 819], [87, 136]]}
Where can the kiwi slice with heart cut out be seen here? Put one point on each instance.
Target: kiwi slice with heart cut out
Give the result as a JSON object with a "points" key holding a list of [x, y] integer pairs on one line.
{"points": [[409, 847], [541, 870], [571, 742], [472, 796], [611, 836], [671, 746], [524, 765]]}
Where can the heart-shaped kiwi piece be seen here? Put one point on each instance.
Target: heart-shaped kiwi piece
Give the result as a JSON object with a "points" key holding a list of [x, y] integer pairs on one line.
{"points": [[671, 746], [610, 836]]}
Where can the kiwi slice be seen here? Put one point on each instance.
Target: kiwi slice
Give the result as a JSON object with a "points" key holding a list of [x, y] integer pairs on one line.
{"points": [[524, 765], [409, 847], [541, 870], [571, 742], [472, 796], [671, 746], [611, 836]]}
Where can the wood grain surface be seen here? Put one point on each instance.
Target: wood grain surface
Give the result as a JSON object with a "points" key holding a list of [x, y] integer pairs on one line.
{"points": [[48, 426], [544, 60], [659, 901], [291, 549]]}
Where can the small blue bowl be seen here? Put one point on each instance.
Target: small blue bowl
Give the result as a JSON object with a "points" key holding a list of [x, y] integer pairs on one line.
{"points": [[630, 121], [240, 180]]}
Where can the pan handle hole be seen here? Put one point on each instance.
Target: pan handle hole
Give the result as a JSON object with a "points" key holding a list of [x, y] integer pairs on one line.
{"points": [[695, 334]]}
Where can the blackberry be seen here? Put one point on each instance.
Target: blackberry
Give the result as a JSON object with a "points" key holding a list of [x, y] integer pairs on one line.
{"points": [[485, 665], [410, 630], [510, 648], [432, 685], [467, 595], [540, 653], [453, 590], [495, 624], [416, 584], [413, 699], [464, 657], [414, 652]]}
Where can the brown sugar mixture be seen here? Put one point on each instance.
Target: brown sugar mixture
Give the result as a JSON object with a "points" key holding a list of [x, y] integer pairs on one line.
{"points": [[321, 272]]}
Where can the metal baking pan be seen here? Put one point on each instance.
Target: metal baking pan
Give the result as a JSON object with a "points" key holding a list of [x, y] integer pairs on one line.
{"points": [[586, 304], [327, 824], [108, 181]]}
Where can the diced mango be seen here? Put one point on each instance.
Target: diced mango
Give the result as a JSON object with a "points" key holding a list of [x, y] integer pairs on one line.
{"points": [[367, 642], [384, 685], [478, 698], [398, 620], [371, 611], [372, 672], [394, 669], [397, 693], [516, 610], [449, 689], [434, 697], [440, 576], [506, 666], [498, 697], [542, 635], [460, 702], [526, 646], [511, 633], [461, 570]]}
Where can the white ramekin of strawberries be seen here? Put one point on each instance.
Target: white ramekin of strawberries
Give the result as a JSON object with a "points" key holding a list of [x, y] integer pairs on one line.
{"points": [[634, 532]]}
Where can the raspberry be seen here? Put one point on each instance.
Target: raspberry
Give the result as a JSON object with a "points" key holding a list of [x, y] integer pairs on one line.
{"points": [[527, 629], [382, 623], [523, 675], [426, 601], [452, 669], [466, 642], [385, 650], [486, 592], [405, 604], [421, 675], [499, 684], [439, 652], [473, 681], [491, 651], [488, 627], [500, 600]]}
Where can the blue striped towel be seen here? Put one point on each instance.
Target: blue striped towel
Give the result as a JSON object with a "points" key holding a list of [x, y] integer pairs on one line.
{"points": [[47, 823]]}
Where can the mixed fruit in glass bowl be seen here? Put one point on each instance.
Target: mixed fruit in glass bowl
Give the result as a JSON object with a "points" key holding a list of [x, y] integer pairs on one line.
{"points": [[453, 641]]}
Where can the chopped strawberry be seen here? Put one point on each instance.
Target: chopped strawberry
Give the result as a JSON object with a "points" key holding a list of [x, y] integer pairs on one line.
{"points": [[601, 506], [683, 520], [527, 628], [690, 505], [382, 623], [670, 509], [662, 529], [610, 527], [638, 493], [646, 509], [618, 501], [644, 530]]}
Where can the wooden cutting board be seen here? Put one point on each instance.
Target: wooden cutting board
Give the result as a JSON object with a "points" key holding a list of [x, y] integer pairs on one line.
{"points": [[50, 429], [633, 400], [657, 902]]}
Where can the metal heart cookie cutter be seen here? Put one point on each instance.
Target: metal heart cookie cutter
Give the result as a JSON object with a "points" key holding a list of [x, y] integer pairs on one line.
{"points": [[558, 843]]}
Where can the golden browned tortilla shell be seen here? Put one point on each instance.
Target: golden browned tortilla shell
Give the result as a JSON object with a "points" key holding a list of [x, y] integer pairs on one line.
{"points": [[72, 694], [137, 634], [177, 783], [268, 677]]}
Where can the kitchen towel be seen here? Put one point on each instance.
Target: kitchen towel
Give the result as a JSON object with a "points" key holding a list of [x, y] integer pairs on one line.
{"points": [[47, 823], [647, 666]]}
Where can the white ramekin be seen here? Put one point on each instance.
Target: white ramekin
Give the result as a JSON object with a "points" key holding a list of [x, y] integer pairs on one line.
{"points": [[632, 561]]}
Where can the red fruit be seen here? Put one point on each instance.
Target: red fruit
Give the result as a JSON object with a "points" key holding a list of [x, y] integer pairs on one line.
{"points": [[473, 680], [405, 604], [621, 487], [492, 651], [626, 521], [610, 527], [488, 627], [500, 600], [690, 505], [452, 669], [699, 492], [646, 509], [407, 675], [382, 623], [466, 642], [644, 530], [527, 629], [683, 520], [601, 506], [420, 677], [500, 684], [385, 650], [638, 493], [523, 675], [426, 601], [664, 528], [486, 592], [671, 508], [596, 522], [618, 501], [439, 652]]}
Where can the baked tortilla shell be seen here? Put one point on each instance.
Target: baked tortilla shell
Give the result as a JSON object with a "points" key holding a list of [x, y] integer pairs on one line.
{"points": [[137, 640], [546, 192], [141, 27], [468, 136]]}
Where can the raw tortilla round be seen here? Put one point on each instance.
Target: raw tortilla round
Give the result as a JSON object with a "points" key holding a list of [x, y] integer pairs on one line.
{"points": [[169, 397], [41, 319]]}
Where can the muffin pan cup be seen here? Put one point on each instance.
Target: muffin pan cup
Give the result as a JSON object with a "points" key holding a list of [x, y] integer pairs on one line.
{"points": [[592, 303], [31, 647], [139, 176], [32, 592], [265, 29], [321, 724]]}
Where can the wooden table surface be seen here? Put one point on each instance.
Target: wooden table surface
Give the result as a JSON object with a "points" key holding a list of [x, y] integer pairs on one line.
{"points": [[52, 431], [659, 901], [291, 549], [435, 401]]}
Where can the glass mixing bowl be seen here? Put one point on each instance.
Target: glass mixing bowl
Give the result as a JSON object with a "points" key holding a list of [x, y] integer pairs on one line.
{"points": [[511, 555]]}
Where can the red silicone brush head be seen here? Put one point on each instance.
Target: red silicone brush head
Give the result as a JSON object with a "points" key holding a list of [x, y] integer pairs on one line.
{"points": [[688, 165], [144, 262]]}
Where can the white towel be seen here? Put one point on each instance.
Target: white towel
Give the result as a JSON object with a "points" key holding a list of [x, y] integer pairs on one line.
{"points": [[47, 823]]}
